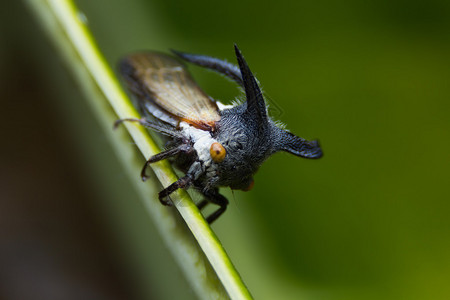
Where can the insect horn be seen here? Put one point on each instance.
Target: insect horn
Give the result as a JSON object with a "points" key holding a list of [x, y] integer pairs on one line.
{"points": [[286, 141], [255, 101]]}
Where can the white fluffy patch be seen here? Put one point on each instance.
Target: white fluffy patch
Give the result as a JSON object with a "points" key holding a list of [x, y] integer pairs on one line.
{"points": [[202, 143], [222, 106]]}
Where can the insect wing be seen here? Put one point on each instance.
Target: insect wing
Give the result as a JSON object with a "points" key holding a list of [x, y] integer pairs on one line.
{"points": [[166, 90]]}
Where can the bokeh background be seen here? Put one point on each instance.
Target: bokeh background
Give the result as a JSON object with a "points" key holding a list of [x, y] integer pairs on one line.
{"points": [[370, 79]]}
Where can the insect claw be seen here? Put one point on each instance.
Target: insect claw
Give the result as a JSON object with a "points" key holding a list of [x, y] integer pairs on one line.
{"points": [[144, 176], [117, 123], [167, 201]]}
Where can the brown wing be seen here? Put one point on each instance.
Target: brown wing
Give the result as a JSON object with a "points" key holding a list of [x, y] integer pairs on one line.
{"points": [[168, 87]]}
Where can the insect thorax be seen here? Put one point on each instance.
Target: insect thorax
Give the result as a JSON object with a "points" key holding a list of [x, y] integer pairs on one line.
{"points": [[201, 141]]}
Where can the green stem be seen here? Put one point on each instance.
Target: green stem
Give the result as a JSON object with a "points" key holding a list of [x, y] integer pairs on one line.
{"points": [[65, 25]]}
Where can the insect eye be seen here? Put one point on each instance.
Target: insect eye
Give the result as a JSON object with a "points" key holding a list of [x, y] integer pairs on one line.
{"points": [[217, 152], [250, 186]]}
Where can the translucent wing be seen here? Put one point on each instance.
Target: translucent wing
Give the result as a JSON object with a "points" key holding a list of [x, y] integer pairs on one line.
{"points": [[166, 90]]}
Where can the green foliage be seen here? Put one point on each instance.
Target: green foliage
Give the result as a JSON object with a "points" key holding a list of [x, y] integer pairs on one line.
{"points": [[370, 80]]}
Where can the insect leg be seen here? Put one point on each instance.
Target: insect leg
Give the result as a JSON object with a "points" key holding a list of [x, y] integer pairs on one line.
{"points": [[120, 121], [202, 204], [216, 198], [164, 129], [163, 155], [181, 183], [157, 157]]}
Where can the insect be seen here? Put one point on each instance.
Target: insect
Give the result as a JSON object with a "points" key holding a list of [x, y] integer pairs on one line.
{"points": [[214, 145]]}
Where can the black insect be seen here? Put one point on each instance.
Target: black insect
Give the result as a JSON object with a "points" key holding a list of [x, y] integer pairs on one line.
{"points": [[213, 144]]}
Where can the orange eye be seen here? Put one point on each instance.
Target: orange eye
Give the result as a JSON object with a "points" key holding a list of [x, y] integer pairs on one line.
{"points": [[217, 152], [250, 186]]}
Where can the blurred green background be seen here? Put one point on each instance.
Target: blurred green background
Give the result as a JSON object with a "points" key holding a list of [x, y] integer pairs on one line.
{"points": [[370, 220]]}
